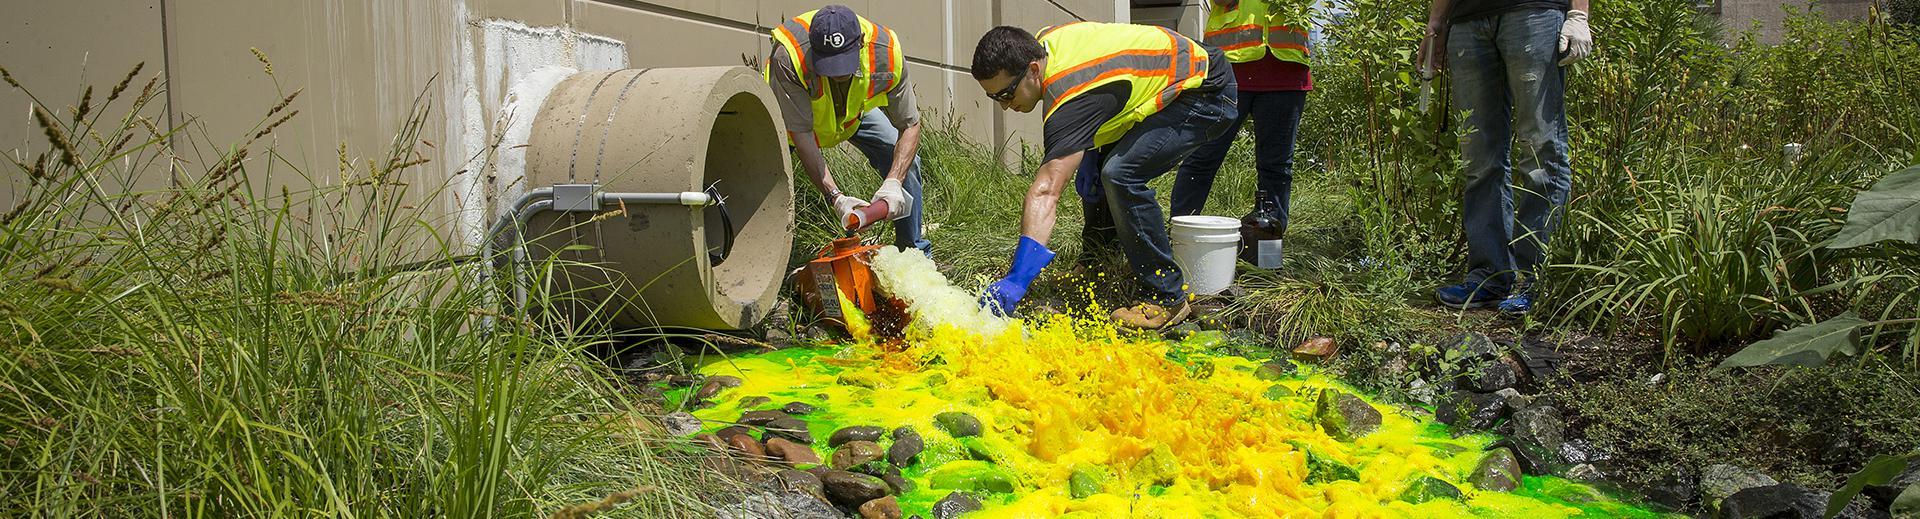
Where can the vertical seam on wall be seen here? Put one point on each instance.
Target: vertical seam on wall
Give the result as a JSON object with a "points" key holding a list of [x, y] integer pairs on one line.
{"points": [[166, 64]]}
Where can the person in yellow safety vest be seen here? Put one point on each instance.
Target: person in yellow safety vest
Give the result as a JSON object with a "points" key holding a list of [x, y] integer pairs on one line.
{"points": [[1270, 65], [842, 78], [1144, 97]]}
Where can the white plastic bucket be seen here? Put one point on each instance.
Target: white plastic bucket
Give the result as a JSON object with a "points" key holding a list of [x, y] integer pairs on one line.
{"points": [[1206, 248]]}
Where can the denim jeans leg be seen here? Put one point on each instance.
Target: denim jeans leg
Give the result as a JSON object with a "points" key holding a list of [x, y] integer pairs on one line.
{"points": [[1276, 123], [1486, 209], [875, 139], [1194, 180], [1529, 42], [1151, 149], [1097, 236]]}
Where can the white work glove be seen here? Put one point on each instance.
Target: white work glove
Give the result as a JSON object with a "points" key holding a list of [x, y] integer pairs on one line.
{"points": [[1576, 38], [898, 203], [844, 205]]}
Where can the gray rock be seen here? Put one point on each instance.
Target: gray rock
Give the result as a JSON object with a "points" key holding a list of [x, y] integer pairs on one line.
{"points": [[957, 424], [851, 490], [865, 433], [681, 423], [1579, 451], [1673, 492], [1533, 459], [1585, 472], [785, 505], [800, 481], [1784, 501], [1717, 482], [1345, 417], [907, 445], [1539, 426], [886, 472], [1541, 360], [789, 428], [1423, 392], [797, 408], [1321, 469], [760, 418], [955, 504], [1500, 372], [1882, 496], [1429, 488], [1275, 370], [1470, 411], [856, 452], [1498, 472], [714, 385]]}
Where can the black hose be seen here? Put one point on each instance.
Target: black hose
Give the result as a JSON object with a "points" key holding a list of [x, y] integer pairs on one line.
{"points": [[726, 221]]}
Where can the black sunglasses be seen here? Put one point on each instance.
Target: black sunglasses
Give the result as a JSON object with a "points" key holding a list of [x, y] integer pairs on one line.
{"points": [[1006, 94]]}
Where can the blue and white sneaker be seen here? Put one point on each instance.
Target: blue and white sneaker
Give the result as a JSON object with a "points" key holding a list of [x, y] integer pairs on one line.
{"points": [[1468, 295], [1517, 304]]}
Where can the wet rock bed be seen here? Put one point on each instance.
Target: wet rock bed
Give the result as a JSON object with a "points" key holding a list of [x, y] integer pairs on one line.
{"points": [[875, 431], [1055, 417]]}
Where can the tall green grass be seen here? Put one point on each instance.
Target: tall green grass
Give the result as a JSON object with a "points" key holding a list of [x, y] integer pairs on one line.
{"points": [[230, 336]]}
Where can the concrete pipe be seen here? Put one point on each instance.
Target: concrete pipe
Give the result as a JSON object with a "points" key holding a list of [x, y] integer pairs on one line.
{"points": [[658, 265]]}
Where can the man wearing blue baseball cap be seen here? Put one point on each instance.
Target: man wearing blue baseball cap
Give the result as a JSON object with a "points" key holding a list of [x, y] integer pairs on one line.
{"points": [[842, 78]]}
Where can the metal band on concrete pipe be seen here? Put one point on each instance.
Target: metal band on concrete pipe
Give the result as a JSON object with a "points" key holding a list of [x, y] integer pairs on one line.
{"points": [[664, 130]]}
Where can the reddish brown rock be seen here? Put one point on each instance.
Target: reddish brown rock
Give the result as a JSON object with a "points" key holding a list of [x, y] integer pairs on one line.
{"points": [[1317, 349], [714, 386], [746, 446], [883, 508], [855, 453], [791, 453]]}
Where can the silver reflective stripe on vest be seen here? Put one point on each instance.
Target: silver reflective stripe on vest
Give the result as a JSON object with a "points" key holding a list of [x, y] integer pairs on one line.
{"points": [[1280, 37], [799, 33], [1229, 39], [1148, 64], [881, 78]]}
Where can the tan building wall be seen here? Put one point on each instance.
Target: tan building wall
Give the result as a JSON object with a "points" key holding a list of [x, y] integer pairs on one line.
{"points": [[361, 64]]}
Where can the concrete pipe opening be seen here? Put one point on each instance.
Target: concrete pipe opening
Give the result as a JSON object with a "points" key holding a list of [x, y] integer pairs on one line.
{"points": [[662, 265]]}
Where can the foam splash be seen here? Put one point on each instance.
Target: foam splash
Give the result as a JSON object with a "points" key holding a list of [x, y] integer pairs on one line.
{"points": [[933, 301]]}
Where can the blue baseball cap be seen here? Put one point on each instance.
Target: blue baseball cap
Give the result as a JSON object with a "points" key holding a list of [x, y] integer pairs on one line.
{"points": [[836, 37]]}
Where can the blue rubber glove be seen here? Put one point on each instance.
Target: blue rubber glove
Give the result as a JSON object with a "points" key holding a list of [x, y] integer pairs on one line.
{"points": [[1028, 258]]}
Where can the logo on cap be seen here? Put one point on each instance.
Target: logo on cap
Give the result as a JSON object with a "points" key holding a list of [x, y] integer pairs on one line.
{"points": [[837, 40]]}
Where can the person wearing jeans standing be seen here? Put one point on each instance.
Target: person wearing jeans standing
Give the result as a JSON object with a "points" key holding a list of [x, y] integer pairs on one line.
{"points": [[1507, 60], [1271, 68]]}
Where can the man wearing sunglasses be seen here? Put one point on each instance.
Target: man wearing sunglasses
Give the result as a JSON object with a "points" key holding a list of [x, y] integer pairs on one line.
{"points": [[1144, 98], [842, 78]]}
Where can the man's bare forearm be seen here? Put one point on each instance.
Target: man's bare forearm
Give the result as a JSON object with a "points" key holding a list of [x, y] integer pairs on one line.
{"points": [[814, 163], [1043, 197], [904, 151]]}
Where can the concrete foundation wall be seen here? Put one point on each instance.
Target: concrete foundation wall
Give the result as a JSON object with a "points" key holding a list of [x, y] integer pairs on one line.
{"points": [[362, 64]]}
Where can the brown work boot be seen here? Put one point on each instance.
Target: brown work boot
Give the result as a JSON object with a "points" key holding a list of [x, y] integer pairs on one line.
{"points": [[1149, 316]]}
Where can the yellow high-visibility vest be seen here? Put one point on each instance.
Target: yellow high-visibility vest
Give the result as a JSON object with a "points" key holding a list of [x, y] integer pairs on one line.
{"points": [[882, 63], [1251, 30], [1158, 62]]}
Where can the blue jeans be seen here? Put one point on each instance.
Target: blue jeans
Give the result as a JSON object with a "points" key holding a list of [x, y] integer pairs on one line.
{"points": [[1276, 122], [1151, 149], [1505, 73], [876, 139]]}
